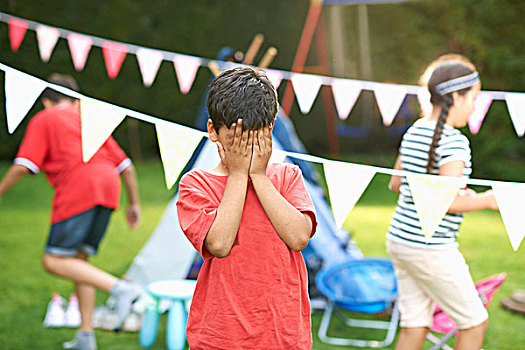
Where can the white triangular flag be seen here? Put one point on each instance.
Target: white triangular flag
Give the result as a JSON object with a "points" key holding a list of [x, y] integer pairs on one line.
{"points": [[186, 68], [345, 93], [389, 98], [21, 92], [346, 183], [47, 39], [98, 120], [510, 198], [306, 88], [433, 196], [278, 156], [423, 96], [176, 145], [79, 46], [516, 107], [149, 63]]}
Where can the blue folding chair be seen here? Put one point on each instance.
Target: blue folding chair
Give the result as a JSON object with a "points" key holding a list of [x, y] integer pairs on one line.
{"points": [[366, 285]]}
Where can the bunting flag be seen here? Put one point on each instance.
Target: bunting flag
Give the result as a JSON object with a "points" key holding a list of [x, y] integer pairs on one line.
{"points": [[433, 196], [277, 156], [79, 45], [47, 38], [516, 107], [481, 106], [510, 197], [345, 93], [423, 96], [275, 77], [186, 68], [114, 55], [17, 32], [149, 63], [389, 98], [306, 88], [21, 92], [346, 183], [176, 145], [98, 120]]}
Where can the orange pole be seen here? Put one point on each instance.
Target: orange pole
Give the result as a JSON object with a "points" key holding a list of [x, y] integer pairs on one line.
{"points": [[314, 12], [326, 91]]}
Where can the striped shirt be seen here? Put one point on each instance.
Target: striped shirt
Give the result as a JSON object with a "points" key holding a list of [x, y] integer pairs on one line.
{"points": [[405, 227]]}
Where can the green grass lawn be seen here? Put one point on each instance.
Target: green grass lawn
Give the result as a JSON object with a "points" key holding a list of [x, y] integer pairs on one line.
{"points": [[26, 288]]}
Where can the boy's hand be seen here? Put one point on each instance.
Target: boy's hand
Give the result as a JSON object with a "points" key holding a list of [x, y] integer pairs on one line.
{"points": [[133, 215], [236, 154], [262, 150]]}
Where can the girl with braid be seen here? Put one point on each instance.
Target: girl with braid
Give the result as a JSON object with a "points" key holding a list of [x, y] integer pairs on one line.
{"points": [[431, 269]]}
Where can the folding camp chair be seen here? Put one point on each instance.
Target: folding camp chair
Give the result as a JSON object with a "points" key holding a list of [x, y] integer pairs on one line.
{"points": [[366, 285], [442, 324]]}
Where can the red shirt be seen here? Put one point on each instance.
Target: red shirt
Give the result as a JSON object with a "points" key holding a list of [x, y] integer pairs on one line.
{"points": [[256, 297], [52, 142]]}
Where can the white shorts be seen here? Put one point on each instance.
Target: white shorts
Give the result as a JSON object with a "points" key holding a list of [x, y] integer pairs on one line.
{"points": [[441, 276]]}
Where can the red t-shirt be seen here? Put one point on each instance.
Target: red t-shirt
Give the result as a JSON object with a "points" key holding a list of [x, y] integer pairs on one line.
{"points": [[256, 297], [52, 142]]}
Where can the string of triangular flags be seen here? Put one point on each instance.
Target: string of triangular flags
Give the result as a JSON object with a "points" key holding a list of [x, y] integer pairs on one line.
{"points": [[389, 97], [346, 181]]}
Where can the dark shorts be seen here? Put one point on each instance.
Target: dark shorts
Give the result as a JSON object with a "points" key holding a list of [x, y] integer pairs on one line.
{"points": [[82, 232]]}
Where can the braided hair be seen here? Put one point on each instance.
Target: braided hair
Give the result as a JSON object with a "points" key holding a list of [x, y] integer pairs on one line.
{"points": [[444, 72]]}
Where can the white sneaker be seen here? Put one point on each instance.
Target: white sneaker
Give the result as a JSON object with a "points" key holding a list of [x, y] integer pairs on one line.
{"points": [[73, 318], [55, 315]]}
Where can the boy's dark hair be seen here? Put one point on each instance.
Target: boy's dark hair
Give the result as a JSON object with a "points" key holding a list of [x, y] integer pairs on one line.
{"points": [[62, 80], [244, 93]]}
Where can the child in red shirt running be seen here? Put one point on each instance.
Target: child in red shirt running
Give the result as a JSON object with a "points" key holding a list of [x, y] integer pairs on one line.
{"points": [[249, 220], [85, 196]]}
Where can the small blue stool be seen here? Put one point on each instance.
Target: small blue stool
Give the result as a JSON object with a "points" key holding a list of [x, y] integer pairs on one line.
{"points": [[178, 291]]}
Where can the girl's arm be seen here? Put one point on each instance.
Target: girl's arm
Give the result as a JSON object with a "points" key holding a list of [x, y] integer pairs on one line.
{"points": [[395, 181], [470, 200]]}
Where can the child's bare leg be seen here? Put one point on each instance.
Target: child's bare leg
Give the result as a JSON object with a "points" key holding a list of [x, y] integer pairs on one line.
{"points": [[412, 338], [78, 271], [86, 301], [472, 338]]}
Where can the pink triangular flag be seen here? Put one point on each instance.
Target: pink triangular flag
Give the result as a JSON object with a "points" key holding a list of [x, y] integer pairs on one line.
{"points": [[79, 45], [389, 98], [47, 39], [423, 96], [481, 106], [345, 93], [186, 68], [21, 92], [17, 32], [306, 88], [509, 197], [275, 77], [114, 55], [149, 63], [516, 107]]}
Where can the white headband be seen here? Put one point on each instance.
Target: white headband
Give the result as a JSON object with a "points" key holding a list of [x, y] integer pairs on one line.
{"points": [[457, 84]]}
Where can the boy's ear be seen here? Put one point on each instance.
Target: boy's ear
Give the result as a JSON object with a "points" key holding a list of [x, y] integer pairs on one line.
{"points": [[212, 132]]}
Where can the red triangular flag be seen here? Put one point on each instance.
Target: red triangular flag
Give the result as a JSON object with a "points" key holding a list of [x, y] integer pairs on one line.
{"points": [[114, 55], [17, 31], [79, 45]]}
